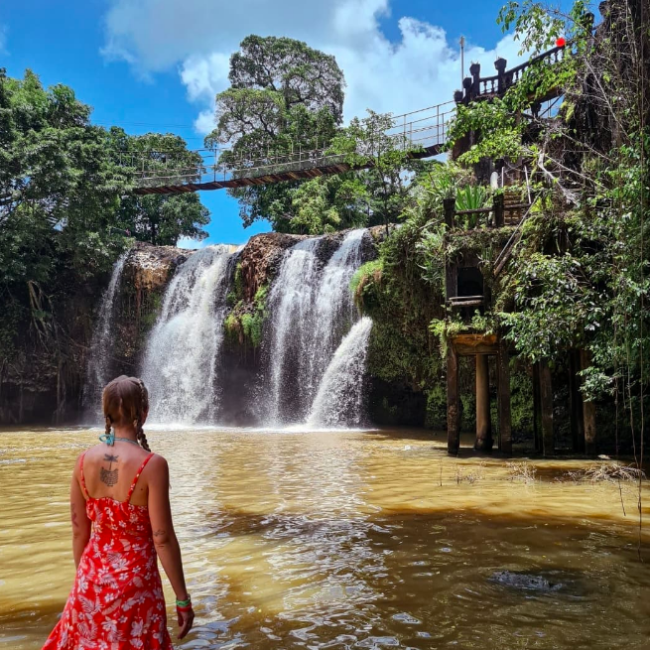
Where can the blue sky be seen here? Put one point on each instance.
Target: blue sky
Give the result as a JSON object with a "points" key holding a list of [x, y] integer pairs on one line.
{"points": [[155, 65]]}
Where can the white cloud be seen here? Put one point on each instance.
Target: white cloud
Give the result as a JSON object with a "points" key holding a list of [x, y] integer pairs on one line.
{"points": [[421, 69]]}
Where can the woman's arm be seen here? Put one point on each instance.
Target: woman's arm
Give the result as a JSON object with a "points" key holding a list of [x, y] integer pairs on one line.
{"points": [[80, 522], [164, 537]]}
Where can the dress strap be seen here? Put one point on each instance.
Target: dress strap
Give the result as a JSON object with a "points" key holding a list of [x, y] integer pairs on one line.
{"points": [[137, 476], [81, 476]]}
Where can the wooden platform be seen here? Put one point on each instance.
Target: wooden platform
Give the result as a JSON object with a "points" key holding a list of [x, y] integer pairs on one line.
{"points": [[469, 345]]}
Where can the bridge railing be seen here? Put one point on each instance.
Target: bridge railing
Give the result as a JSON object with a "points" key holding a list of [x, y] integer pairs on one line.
{"points": [[477, 88], [416, 131]]}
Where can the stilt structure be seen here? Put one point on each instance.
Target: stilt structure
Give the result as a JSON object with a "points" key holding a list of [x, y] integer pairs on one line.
{"points": [[588, 411], [546, 408], [483, 421], [481, 347]]}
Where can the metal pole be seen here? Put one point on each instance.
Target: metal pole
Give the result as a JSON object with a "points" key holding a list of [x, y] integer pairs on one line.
{"points": [[462, 60]]}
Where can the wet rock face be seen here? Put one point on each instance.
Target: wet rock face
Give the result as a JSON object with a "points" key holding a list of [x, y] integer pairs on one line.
{"points": [[149, 268], [147, 272], [260, 259]]}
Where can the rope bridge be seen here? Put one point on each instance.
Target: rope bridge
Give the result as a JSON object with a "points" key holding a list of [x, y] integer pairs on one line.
{"points": [[421, 134]]}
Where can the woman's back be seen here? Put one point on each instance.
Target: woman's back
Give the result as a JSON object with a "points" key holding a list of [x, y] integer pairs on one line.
{"points": [[109, 472]]}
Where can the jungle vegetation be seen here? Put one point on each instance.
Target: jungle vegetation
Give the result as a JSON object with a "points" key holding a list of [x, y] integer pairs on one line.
{"points": [[577, 276]]}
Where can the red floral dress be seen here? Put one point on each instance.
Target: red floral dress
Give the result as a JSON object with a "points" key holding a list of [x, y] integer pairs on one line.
{"points": [[117, 600]]}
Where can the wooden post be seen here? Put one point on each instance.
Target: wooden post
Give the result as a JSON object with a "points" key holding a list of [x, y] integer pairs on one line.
{"points": [[503, 396], [546, 407], [498, 209], [536, 409], [575, 401], [588, 411], [500, 64], [475, 71], [467, 87], [453, 402], [484, 440], [449, 207]]}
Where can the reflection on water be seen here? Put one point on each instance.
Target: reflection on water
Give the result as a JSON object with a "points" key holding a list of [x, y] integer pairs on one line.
{"points": [[348, 540]]}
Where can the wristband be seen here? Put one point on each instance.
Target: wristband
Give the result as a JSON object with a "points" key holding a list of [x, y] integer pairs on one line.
{"points": [[184, 604]]}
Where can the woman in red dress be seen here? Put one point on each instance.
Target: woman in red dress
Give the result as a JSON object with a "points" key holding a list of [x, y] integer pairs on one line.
{"points": [[121, 524]]}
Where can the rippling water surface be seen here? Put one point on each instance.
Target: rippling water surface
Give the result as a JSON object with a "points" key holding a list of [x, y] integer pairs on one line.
{"points": [[349, 540]]}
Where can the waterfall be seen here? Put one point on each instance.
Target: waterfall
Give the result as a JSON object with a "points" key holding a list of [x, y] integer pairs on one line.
{"points": [[290, 300], [98, 369], [310, 312], [339, 401], [334, 310], [180, 365]]}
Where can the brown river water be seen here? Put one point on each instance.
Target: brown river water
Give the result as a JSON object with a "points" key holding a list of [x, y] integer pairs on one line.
{"points": [[350, 540]]}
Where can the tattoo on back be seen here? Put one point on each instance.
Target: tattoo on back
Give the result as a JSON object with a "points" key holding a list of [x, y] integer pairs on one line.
{"points": [[109, 476]]}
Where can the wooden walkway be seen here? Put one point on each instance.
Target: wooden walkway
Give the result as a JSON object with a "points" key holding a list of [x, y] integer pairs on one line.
{"points": [[303, 170]]}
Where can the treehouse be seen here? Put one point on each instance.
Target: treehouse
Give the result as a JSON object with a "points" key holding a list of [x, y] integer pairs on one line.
{"points": [[469, 277]]}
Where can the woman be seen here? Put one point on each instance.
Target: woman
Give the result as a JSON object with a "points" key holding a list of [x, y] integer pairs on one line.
{"points": [[121, 489]]}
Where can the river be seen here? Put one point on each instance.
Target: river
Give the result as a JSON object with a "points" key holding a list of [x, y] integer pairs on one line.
{"points": [[350, 540]]}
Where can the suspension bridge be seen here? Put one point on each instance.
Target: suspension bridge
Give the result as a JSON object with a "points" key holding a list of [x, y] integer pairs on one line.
{"points": [[420, 134]]}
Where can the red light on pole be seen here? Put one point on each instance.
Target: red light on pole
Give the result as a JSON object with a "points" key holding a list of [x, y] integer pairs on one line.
{"points": [[561, 42]]}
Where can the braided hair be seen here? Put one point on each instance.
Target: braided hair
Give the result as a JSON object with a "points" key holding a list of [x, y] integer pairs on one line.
{"points": [[126, 399], [144, 401]]}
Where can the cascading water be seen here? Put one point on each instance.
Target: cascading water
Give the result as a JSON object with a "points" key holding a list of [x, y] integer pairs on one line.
{"points": [[98, 369], [291, 304], [180, 365], [310, 312], [339, 401], [334, 310]]}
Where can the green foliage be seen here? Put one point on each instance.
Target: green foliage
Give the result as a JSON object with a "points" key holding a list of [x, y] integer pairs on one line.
{"points": [[555, 305], [65, 203], [521, 400], [245, 323], [285, 97], [252, 325], [436, 416], [326, 204], [393, 292], [385, 185], [159, 218], [365, 279]]}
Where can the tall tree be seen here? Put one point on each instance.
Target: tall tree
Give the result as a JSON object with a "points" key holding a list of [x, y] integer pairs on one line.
{"points": [[285, 97]]}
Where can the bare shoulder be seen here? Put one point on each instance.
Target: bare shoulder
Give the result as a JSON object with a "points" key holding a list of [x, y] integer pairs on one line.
{"points": [[87, 452], [157, 469], [158, 461]]}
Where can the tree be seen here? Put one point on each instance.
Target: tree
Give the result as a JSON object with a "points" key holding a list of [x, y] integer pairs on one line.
{"points": [[301, 75], [58, 187], [326, 204], [159, 219], [387, 182], [285, 98], [65, 200]]}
